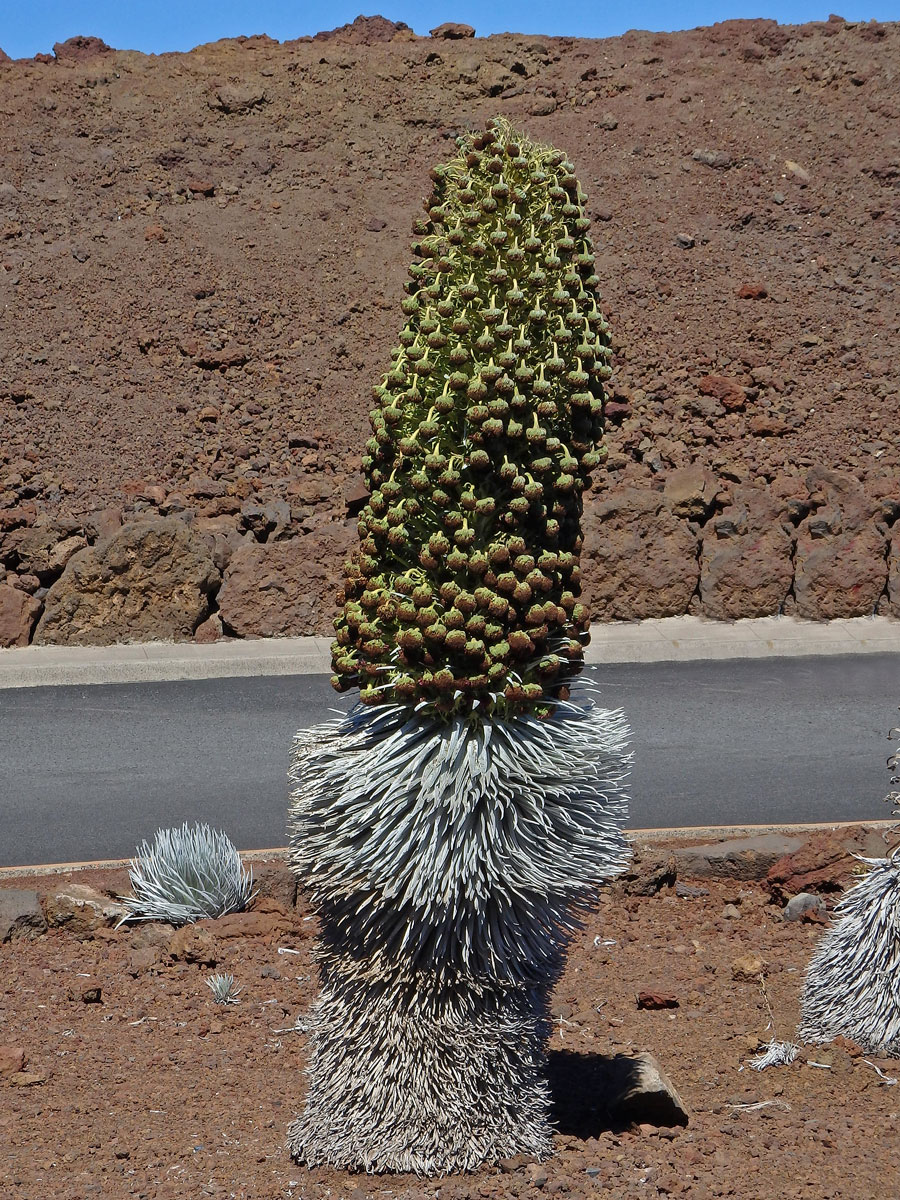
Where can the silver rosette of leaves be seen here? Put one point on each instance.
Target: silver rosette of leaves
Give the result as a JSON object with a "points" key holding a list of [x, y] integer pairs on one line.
{"points": [[186, 874], [852, 986], [449, 860]]}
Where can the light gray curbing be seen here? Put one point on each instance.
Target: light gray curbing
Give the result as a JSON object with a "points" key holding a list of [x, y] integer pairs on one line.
{"points": [[640, 837], [670, 639]]}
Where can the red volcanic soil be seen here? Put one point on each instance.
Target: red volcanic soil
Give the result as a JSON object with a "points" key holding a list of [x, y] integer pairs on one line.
{"points": [[120, 1077]]}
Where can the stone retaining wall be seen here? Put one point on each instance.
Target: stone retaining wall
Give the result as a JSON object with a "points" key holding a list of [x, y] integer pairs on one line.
{"points": [[819, 549]]}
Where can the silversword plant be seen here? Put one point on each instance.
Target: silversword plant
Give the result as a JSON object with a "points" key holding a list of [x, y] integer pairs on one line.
{"points": [[186, 874], [223, 988], [455, 823]]}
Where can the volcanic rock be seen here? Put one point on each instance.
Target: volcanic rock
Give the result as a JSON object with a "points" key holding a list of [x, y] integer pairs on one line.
{"points": [[356, 495], [691, 491], [193, 944], [727, 391], [752, 291], [81, 49], [284, 340], [453, 31], [150, 581], [894, 573], [209, 631], [277, 882], [366, 31], [648, 873], [804, 904], [33, 551], [721, 160], [640, 1091], [286, 588], [822, 863], [103, 524], [18, 613], [239, 98], [143, 959], [838, 576], [737, 858], [81, 908], [20, 914], [745, 559], [222, 536], [748, 968], [257, 923], [62, 552], [638, 559], [654, 1001], [12, 1059]]}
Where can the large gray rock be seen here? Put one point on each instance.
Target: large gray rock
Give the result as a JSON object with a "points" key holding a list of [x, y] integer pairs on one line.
{"points": [[593, 1091], [638, 559], [802, 905], [20, 914], [81, 909], [738, 858], [278, 589], [640, 1091], [150, 581]]}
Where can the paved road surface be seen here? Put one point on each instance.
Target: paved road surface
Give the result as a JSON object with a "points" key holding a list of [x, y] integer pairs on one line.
{"points": [[88, 772]]}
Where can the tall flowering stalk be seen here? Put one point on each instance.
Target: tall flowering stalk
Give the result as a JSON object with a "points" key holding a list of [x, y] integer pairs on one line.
{"points": [[451, 827]]}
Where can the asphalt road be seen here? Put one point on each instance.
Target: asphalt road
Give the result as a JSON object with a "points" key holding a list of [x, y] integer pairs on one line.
{"points": [[89, 772]]}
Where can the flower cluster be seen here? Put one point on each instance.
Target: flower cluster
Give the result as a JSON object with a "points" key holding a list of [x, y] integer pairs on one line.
{"points": [[465, 592]]}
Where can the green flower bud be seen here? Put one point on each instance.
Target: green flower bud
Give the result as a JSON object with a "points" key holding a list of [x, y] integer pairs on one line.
{"points": [[500, 652], [456, 640], [410, 639], [483, 436]]}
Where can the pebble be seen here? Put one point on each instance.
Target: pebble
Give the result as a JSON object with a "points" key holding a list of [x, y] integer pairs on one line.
{"points": [[720, 160], [656, 1000], [12, 1060], [802, 905]]}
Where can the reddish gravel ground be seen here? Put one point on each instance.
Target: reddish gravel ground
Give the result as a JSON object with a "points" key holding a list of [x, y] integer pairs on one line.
{"points": [[156, 1092], [202, 257]]}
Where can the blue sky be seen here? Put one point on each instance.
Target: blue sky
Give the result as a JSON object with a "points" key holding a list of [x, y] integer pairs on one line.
{"points": [[27, 28]]}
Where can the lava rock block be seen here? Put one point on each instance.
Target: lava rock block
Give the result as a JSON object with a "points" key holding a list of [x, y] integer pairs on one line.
{"points": [[151, 581], [20, 914], [18, 613], [638, 559], [279, 589]]}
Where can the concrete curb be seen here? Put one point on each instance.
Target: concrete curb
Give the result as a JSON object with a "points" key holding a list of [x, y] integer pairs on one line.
{"points": [[708, 833], [670, 639]]}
